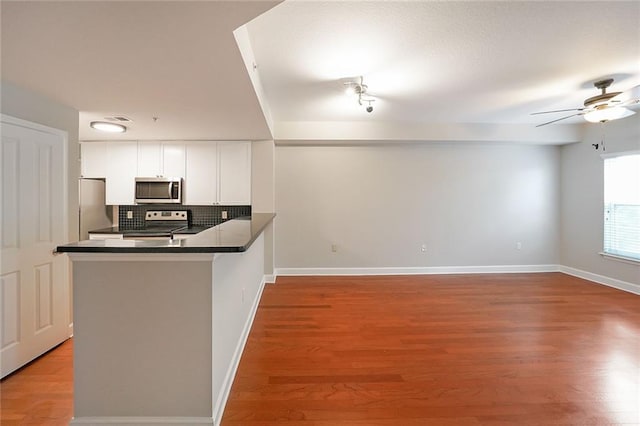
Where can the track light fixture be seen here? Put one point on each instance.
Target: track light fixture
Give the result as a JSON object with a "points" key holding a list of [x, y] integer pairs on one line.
{"points": [[353, 88]]}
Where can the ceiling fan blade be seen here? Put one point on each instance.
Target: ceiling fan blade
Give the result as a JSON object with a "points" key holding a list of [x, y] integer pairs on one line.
{"points": [[628, 97], [557, 110], [629, 103], [559, 119]]}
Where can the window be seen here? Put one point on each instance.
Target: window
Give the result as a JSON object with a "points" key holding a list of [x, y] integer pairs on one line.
{"points": [[622, 205]]}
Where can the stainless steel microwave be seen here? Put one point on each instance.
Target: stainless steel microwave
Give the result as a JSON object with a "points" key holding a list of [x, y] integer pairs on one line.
{"points": [[160, 190]]}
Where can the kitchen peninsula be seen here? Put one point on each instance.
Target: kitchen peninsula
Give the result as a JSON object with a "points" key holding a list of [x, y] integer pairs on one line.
{"points": [[159, 325]]}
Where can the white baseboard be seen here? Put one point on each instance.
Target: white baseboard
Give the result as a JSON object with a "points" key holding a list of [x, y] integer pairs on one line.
{"points": [[136, 421], [601, 279], [427, 270], [496, 269], [221, 402], [270, 279]]}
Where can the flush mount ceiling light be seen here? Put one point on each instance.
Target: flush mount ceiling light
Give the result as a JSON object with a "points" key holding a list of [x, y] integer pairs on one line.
{"points": [[104, 126], [359, 89]]}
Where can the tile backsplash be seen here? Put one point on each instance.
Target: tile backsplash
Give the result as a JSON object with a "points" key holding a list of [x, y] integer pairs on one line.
{"points": [[200, 215]]}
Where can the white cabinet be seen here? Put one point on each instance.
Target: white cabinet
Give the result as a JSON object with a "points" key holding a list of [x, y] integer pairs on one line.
{"points": [[93, 159], [122, 161], [149, 159], [116, 162], [161, 159], [201, 181], [214, 172], [234, 176], [218, 173], [173, 160]]}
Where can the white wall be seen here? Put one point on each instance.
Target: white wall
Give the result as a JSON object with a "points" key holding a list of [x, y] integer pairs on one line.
{"points": [[237, 288], [29, 106], [469, 203], [263, 194], [582, 190], [262, 176]]}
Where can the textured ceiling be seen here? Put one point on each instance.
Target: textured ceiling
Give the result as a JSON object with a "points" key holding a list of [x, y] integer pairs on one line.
{"points": [[439, 70], [442, 62], [174, 60]]}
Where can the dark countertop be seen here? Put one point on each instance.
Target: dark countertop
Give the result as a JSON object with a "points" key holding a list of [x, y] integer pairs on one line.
{"points": [[235, 235], [194, 229]]}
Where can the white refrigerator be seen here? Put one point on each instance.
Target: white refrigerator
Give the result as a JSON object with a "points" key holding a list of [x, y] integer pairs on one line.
{"points": [[94, 214]]}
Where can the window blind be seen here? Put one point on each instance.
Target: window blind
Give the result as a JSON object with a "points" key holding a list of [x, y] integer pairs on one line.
{"points": [[622, 206]]}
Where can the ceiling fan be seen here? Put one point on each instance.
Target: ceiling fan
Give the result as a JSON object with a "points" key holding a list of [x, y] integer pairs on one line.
{"points": [[603, 107]]}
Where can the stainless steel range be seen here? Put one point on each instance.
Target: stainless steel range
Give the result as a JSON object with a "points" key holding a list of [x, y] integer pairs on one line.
{"points": [[160, 224]]}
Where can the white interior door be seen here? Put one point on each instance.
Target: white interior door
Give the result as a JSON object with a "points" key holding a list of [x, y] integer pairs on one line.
{"points": [[34, 285]]}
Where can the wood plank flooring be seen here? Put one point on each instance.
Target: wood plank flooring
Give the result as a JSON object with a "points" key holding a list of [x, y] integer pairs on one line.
{"points": [[40, 393], [512, 349]]}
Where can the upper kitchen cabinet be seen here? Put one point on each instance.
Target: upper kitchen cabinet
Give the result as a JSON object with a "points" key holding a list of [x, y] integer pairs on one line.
{"points": [[218, 173], [201, 181], [149, 159], [93, 159], [122, 161], [214, 172], [166, 159], [234, 164]]}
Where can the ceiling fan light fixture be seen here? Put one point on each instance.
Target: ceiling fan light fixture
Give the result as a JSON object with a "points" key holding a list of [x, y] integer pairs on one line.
{"points": [[604, 114], [603, 107], [105, 126]]}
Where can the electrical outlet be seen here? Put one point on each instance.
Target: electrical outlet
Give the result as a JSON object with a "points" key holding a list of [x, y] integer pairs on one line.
{"points": [[129, 214], [518, 245], [224, 214], [334, 248], [423, 248]]}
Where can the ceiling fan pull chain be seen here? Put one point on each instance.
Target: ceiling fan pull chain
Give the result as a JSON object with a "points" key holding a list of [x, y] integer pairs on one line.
{"points": [[601, 144]]}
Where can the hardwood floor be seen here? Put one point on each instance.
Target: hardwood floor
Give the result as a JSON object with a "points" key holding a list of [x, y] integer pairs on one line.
{"points": [[41, 393], [513, 349], [509, 349]]}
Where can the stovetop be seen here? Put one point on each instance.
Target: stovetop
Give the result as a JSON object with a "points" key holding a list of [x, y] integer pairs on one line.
{"points": [[159, 224]]}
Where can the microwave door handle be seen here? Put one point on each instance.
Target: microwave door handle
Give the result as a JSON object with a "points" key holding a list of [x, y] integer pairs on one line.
{"points": [[169, 190]]}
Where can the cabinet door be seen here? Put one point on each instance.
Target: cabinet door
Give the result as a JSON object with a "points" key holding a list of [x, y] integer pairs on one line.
{"points": [[122, 160], [93, 159], [149, 159], [234, 161], [200, 186], [173, 160]]}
